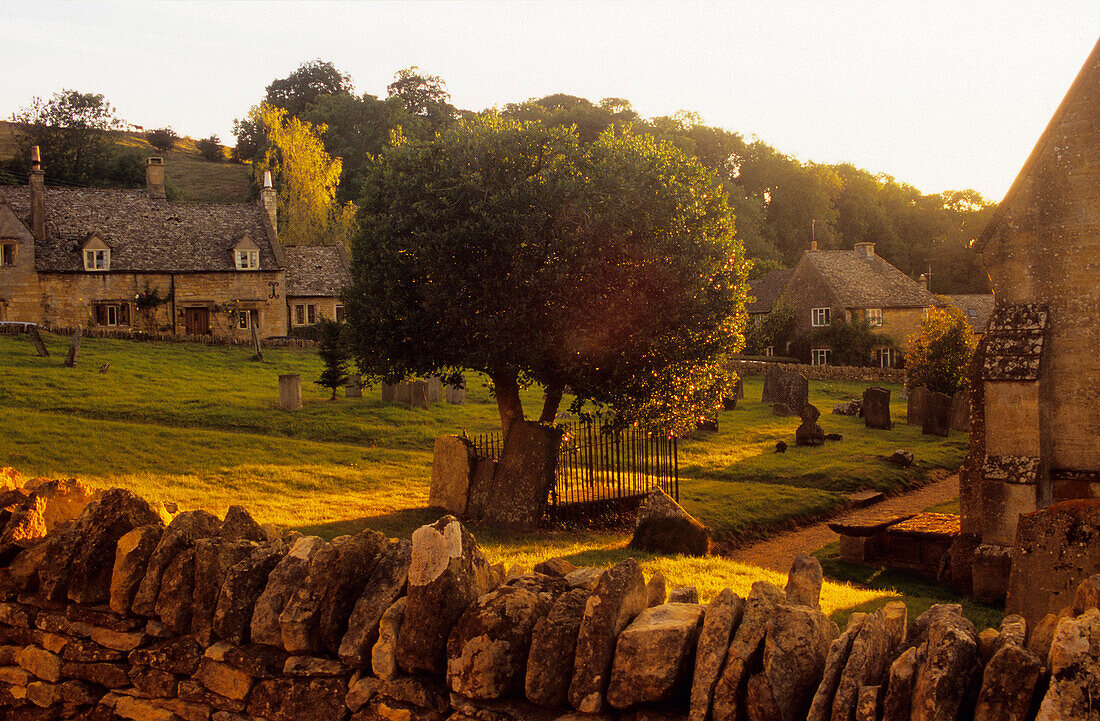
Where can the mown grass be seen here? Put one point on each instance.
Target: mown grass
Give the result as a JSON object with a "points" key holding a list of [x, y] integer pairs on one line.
{"points": [[198, 425]]}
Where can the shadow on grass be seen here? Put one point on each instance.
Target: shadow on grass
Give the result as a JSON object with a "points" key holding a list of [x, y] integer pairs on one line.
{"points": [[919, 593]]}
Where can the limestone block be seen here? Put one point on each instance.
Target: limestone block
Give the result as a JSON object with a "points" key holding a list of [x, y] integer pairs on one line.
{"points": [[384, 652], [948, 666], [288, 574], [746, 648], [665, 527], [553, 645], [821, 708], [796, 644], [1075, 669], [804, 582], [213, 559], [720, 620], [1008, 684], [131, 558], [387, 582], [653, 654], [241, 589], [181, 533]]}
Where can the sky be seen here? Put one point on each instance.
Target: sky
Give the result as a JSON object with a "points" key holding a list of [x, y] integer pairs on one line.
{"points": [[941, 95]]}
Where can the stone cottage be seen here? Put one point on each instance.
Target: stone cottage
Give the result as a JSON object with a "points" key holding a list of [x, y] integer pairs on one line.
{"points": [[1035, 421], [830, 285], [131, 260]]}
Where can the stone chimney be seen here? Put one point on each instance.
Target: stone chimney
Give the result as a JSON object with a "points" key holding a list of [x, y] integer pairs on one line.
{"points": [[37, 181], [267, 199], [865, 250], [154, 177], [923, 281], [813, 245]]}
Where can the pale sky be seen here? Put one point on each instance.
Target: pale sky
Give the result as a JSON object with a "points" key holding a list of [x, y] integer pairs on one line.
{"points": [[941, 95]]}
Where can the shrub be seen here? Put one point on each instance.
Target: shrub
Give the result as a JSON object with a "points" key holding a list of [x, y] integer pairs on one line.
{"points": [[938, 356], [211, 149], [852, 342], [162, 138], [775, 329], [334, 353]]}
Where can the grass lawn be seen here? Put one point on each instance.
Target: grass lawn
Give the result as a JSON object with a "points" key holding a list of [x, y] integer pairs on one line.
{"points": [[197, 425]]}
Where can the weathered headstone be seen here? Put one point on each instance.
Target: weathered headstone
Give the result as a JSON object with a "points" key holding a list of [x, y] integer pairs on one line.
{"points": [[418, 394], [39, 346], [785, 386], [960, 411], [402, 393], [456, 396], [665, 527], [916, 406], [74, 348], [290, 392], [389, 393], [354, 386], [453, 464], [876, 408], [809, 433], [435, 389], [937, 415], [653, 654], [257, 349]]}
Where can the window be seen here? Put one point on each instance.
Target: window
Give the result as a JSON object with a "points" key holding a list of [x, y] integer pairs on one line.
{"points": [[299, 315], [243, 318], [770, 350], [311, 311], [886, 357], [7, 254], [112, 314], [97, 260], [339, 314], [248, 259], [874, 317], [821, 356], [819, 317]]}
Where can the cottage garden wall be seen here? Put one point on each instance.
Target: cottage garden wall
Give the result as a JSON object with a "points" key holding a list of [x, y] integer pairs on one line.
{"points": [[107, 613]]}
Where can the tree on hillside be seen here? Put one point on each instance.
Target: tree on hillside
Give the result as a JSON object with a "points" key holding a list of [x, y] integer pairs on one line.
{"points": [[512, 249], [211, 149], [71, 128], [305, 179], [938, 356], [162, 138]]}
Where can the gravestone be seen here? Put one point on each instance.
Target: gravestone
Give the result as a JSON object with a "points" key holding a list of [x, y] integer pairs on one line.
{"points": [[809, 433], [354, 386], [389, 393], [39, 346], [786, 386], [739, 389], [257, 349], [453, 465], [74, 348], [876, 408], [729, 404], [403, 393], [916, 406], [290, 392], [937, 415], [418, 394], [456, 396], [960, 411], [435, 389]]}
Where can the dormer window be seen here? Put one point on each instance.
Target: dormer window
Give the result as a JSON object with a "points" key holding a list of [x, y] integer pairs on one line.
{"points": [[97, 254], [97, 260], [248, 259]]}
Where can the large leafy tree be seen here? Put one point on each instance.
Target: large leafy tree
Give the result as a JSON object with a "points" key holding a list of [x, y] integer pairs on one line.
{"points": [[938, 356], [510, 248], [71, 128]]}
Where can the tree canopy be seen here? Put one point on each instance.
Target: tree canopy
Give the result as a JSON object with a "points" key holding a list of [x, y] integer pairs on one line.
{"points": [[511, 248], [937, 357]]}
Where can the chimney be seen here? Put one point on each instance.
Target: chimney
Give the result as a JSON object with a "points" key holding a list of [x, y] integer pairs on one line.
{"points": [[813, 245], [154, 177], [37, 181], [923, 281], [267, 199], [865, 250]]}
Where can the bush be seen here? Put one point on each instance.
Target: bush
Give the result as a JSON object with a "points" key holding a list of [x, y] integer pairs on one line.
{"points": [[852, 343], [775, 329], [162, 138], [938, 356], [211, 149], [124, 167]]}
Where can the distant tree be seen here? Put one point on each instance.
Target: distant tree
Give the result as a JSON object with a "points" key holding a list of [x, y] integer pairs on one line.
{"points": [[211, 149], [510, 248], [71, 128], [938, 356], [305, 177], [334, 353], [761, 267], [422, 95], [162, 138]]}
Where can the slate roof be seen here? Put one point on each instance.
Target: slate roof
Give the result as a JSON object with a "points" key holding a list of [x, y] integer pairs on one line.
{"points": [[976, 308], [145, 235], [767, 289], [316, 270], [860, 282]]}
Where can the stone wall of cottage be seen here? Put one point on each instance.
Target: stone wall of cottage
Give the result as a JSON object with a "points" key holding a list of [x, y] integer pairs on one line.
{"points": [[18, 283], [324, 308], [120, 609]]}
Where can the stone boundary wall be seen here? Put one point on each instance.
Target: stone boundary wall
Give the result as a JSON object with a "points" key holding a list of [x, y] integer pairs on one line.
{"points": [[138, 335], [113, 615], [824, 373]]}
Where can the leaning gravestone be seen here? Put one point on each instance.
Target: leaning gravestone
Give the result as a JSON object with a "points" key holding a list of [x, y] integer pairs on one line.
{"points": [[39, 346], [290, 392], [876, 408], [74, 348], [916, 406], [937, 415], [354, 386]]}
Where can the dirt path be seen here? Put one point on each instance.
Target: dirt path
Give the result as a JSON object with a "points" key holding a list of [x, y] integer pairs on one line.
{"points": [[778, 552]]}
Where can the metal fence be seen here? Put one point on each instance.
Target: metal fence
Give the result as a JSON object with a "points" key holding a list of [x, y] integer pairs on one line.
{"points": [[602, 469]]}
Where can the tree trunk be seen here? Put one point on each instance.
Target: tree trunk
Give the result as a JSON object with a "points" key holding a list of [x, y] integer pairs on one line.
{"points": [[508, 403], [550, 403]]}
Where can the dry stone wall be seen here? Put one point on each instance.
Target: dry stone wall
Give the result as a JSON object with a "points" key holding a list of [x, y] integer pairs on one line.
{"points": [[125, 610], [823, 372]]}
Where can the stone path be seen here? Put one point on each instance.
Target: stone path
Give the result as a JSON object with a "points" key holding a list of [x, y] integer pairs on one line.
{"points": [[778, 552]]}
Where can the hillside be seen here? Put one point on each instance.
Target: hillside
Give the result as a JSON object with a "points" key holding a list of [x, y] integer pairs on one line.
{"points": [[188, 176]]}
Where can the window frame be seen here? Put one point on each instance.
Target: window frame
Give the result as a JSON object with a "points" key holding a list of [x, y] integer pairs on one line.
{"points": [[244, 319], [7, 255], [92, 257], [247, 259], [821, 317], [299, 314], [886, 357], [874, 317], [339, 314], [311, 313], [821, 356]]}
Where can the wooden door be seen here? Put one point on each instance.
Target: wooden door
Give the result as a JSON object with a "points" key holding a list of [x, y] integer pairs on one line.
{"points": [[196, 320]]}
